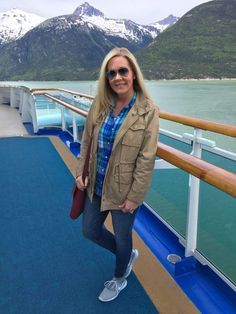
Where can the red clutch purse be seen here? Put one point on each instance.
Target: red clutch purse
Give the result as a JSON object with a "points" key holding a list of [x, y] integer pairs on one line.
{"points": [[77, 206]]}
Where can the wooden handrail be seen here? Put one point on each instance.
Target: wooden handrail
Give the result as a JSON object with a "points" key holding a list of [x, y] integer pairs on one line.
{"points": [[216, 176], [63, 90], [228, 130]]}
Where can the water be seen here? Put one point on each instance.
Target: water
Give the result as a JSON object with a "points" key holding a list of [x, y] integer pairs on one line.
{"points": [[209, 100], [212, 100]]}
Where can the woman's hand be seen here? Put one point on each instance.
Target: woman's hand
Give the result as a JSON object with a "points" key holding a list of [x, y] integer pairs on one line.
{"points": [[128, 206], [79, 183]]}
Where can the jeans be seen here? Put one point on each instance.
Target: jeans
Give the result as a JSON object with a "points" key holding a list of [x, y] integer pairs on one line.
{"points": [[119, 243]]}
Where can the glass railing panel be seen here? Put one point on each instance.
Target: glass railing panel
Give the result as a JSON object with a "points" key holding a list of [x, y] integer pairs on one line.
{"points": [[217, 221], [80, 120], [217, 229], [222, 141], [47, 113], [220, 161], [184, 147], [168, 193], [168, 197]]}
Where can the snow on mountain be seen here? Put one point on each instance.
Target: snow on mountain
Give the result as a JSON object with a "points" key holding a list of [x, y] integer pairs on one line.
{"points": [[116, 27], [121, 27], [165, 23], [15, 23], [88, 10]]}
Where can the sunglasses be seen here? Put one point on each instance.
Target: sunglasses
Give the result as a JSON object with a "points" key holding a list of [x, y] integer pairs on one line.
{"points": [[112, 73]]}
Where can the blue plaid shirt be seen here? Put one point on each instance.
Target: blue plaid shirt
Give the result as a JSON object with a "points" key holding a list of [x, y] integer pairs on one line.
{"points": [[106, 138]]}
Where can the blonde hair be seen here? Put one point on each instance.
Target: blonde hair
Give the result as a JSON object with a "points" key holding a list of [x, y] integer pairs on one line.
{"points": [[105, 95]]}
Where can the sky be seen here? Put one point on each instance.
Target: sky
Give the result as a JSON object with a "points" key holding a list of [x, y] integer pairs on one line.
{"points": [[139, 11]]}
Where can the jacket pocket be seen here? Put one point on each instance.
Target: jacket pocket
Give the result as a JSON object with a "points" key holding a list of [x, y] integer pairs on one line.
{"points": [[134, 136], [124, 174], [131, 143]]}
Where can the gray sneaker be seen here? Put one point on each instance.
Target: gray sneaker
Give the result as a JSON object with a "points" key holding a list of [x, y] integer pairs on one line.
{"points": [[112, 289], [134, 256]]}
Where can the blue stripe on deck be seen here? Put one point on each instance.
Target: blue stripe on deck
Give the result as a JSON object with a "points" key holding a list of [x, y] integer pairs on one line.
{"points": [[46, 266]]}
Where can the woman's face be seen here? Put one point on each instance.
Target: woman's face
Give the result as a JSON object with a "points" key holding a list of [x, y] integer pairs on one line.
{"points": [[120, 77]]}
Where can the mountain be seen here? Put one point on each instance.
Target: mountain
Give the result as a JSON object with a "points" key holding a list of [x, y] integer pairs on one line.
{"points": [[122, 28], [70, 47], [202, 44], [86, 9], [61, 48], [165, 23], [15, 23]]}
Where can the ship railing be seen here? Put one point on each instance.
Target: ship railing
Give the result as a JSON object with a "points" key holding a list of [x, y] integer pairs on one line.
{"points": [[199, 170], [170, 157], [67, 91], [21, 98]]}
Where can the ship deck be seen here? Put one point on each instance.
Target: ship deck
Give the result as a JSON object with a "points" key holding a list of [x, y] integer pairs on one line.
{"points": [[11, 123], [47, 266]]}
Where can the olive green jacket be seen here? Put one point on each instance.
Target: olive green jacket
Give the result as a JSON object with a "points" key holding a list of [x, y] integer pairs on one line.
{"points": [[130, 166]]}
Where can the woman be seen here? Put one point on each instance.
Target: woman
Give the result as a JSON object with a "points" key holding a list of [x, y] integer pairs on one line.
{"points": [[125, 133]]}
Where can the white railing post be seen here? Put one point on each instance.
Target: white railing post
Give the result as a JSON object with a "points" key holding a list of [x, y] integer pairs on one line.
{"points": [[32, 104], [63, 120], [75, 129], [22, 99], [12, 97], [193, 200]]}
